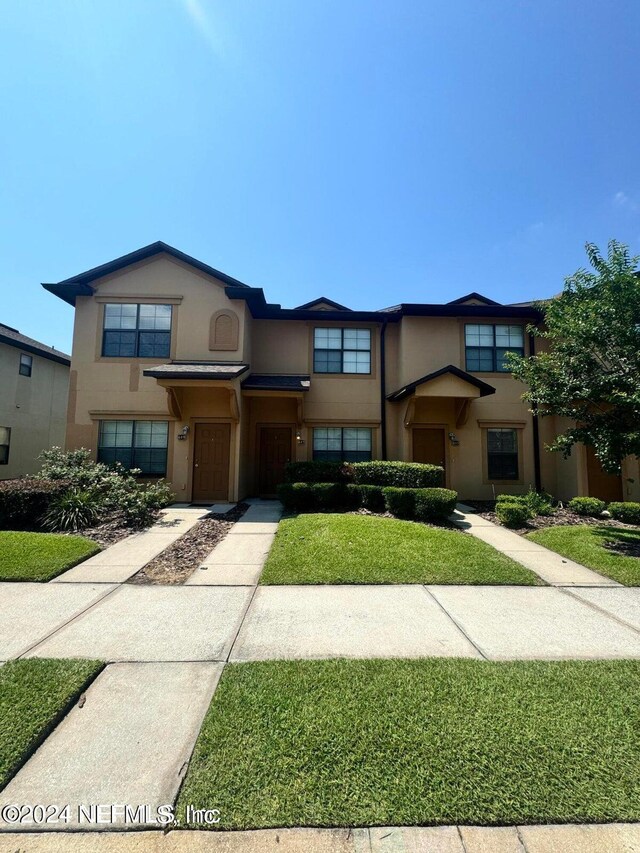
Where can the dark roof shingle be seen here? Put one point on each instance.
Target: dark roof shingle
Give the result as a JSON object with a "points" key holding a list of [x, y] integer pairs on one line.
{"points": [[14, 338]]}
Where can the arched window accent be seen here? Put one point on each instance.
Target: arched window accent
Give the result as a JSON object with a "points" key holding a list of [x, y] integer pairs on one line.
{"points": [[223, 331]]}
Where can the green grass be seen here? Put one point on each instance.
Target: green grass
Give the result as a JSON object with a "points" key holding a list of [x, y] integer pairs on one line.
{"points": [[40, 556], [34, 696], [397, 743], [585, 544], [334, 548]]}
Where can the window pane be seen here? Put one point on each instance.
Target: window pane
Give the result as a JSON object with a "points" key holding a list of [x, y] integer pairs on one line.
{"points": [[155, 317], [502, 440], [120, 316], [479, 358], [5, 432], [356, 362], [328, 455], [26, 362], [327, 361], [472, 335], [328, 338], [116, 433], [151, 434], [503, 466], [154, 344], [120, 344], [5, 440], [356, 439], [359, 339], [152, 462], [501, 358]]}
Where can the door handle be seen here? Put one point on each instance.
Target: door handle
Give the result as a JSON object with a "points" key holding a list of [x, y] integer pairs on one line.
{"points": [[195, 465]]}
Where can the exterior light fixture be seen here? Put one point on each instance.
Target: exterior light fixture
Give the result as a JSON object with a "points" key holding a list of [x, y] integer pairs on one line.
{"points": [[184, 432], [453, 439]]}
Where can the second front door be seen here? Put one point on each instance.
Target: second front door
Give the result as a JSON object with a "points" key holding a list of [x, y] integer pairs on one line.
{"points": [[429, 447], [211, 462], [275, 452]]}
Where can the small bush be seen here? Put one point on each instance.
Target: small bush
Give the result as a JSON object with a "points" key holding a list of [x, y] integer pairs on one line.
{"points": [[331, 495], [318, 472], [72, 510], [296, 496], [627, 511], [410, 475], [400, 502], [513, 514], [432, 504], [370, 497], [587, 506], [511, 499], [23, 503], [538, 503]]}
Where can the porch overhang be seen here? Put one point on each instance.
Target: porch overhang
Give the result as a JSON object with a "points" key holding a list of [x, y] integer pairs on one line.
{"points": [[449, 382], [178, 376]]}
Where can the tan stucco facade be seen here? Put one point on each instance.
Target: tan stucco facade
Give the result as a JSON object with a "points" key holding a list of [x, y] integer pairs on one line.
{"points": [[203, 313], [32, 407]]}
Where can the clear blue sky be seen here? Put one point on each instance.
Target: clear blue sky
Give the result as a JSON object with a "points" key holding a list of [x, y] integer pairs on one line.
{"points": [[368, 150]]}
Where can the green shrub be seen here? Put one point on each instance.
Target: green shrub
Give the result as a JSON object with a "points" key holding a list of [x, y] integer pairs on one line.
{"points": [[23, 503], [331, 495], [410, 475], [511, 499], [627, 511], [115, 491], [318, 472], [296, 496], [72, 510], [370, 497], [513, 514], [431, 504], [400, 502], [538, 503], [587, 506]]}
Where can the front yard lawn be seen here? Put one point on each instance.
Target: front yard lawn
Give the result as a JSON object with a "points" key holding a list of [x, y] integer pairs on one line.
{"points": [[413, 742], [34, 696], [586, 544], [335, 548], [40, 556]]}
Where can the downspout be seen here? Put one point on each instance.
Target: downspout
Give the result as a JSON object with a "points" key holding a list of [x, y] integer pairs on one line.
{"points": [[536, 428], [383, 391]]}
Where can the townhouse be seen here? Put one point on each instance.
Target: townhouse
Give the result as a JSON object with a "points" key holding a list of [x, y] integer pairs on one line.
{"points": [[34, 380], [186, 373]]}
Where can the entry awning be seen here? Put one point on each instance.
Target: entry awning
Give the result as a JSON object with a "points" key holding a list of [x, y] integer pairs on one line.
{"points": [[449, 381], [276, 382], [223, 370]]}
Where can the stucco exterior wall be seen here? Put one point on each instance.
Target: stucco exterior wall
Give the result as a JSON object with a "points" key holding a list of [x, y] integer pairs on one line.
{"points": [[34, 407]]}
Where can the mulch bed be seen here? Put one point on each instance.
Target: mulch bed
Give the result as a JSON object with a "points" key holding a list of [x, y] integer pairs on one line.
{"points": [[109, 532], [562, 515], [177, 562]]}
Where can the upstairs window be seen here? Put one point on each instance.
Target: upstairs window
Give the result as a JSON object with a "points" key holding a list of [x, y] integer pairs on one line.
{"points": [[502, 454], [26, 365], [342, 351], [338, 444], [486, 346], [136, 331], [5, 441], [135, 444]]}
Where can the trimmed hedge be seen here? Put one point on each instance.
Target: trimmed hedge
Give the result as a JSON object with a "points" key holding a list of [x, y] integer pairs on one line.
{"points": [[408, 475], [587, 506], [423, 504], [627, 511], [515, 514], [434, 504], [369, 497], [23, 503], [318, 472]]}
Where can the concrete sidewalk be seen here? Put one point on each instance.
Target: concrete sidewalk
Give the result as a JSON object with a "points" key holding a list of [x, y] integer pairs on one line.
{"points": [[569, 838], [553, 568], [119, 562]]}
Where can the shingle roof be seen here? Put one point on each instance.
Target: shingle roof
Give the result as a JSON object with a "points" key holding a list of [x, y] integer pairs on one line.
{"points": [[197, 370], [485, 388], [14, 338], [277, 382], [323, 299]]}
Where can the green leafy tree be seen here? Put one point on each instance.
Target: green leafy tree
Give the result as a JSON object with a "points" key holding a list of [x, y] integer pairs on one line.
{"points": [[588, 369]]}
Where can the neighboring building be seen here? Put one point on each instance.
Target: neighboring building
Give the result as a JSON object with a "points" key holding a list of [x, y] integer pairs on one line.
{"points": [[184, 372], [34, 384]]}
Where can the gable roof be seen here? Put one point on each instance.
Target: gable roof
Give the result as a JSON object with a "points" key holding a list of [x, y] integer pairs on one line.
{"points": [[473, 295], [80, 285], [14, 338], [322, 300], [407, 390]]}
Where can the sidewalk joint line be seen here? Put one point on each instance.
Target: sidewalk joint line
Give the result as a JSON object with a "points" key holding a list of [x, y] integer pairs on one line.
{"points": [[569, 591], [455, 622]]}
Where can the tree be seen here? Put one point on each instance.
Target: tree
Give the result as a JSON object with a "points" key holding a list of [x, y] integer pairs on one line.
{"points": [[589, 370]]}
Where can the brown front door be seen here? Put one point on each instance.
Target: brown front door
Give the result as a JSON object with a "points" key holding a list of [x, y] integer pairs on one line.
{"points": [[211, 462], [275, 452], [607, 487], [429, 447]]}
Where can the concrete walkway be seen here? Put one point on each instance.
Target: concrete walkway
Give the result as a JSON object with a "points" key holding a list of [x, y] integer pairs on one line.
{"points": [[120, 561], [551, 567], [590, 838]]}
